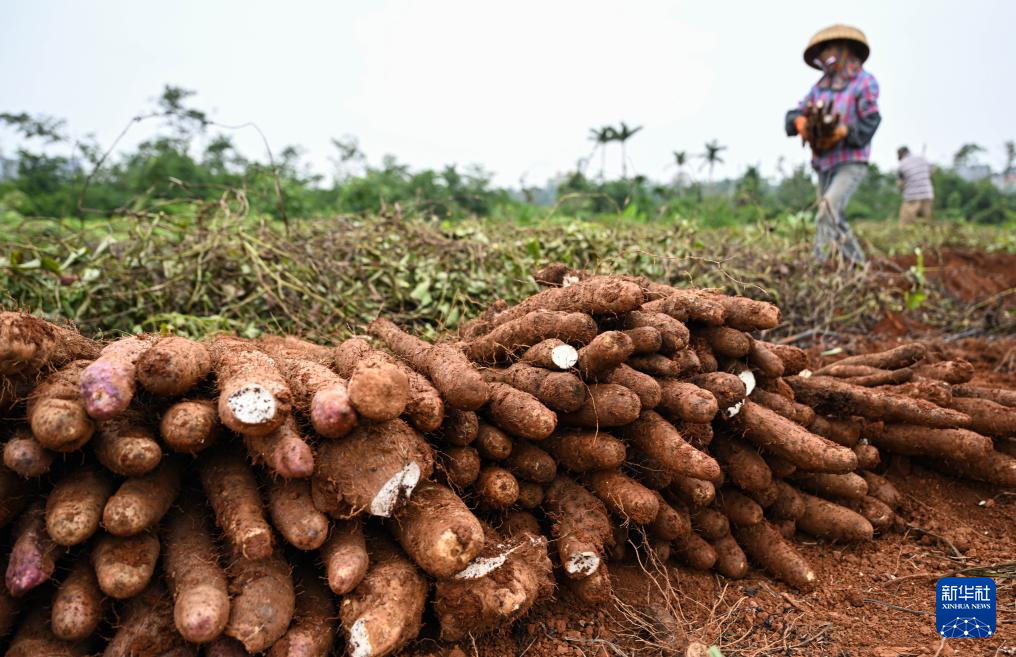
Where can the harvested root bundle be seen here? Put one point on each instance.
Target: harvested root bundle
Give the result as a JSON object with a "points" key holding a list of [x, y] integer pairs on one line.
{"points": [[660, 441], [520, 413], [460, 383], [890, 359], [645, 339], [598, 295], [828, 520], [511, 337], [312, 632], [581, 527], [75, 506], [263, 601], [603, 353], [583, 451], [384, 612], [254, 398], [438, 531], [625, 497], [606, 405], [372, 470], [26, 456], [777, 434], [847, 486], [233, 494], [742, 463], [345, 556], [498, 586], [108, 383], [560, 391], [741, 509], [294, 515], [33, 557], [987, 417], [915, 440], [799, 413], [28, 344], [644, 386], [124, 565], [321, 395], [77, 603], [56, 413], [125, 446], [172, 366], [378, 388], [190, 426], [141, 502], [687, 401], [195, 579], [283, 451]]}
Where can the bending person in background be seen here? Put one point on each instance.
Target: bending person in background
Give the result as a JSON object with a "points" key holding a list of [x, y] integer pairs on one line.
{"points": [[837, 118], [915, 182]]}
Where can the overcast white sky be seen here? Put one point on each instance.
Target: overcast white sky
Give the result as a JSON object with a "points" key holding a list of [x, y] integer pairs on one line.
{"points": [[514, 86]]}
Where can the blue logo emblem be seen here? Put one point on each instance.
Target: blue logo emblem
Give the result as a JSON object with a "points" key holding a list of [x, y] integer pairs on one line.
{"points": [[965, 606]]}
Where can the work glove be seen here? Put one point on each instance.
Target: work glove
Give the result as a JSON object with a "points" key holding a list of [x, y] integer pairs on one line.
{"points": [[801, 125], [838, 135]]}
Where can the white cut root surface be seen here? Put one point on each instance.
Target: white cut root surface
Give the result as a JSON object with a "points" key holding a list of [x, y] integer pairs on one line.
{"points": [[252, 404], [403, 483], [584, 563], [564, 356]]}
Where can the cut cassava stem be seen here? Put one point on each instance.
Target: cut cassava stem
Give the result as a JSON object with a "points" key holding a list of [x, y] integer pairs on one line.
{"points": [[529, 330], [372, 470], [57, 416], [196, 581], [461, 384], [75, 506], [189, 426], [384, 612], [345, 556], [293, 513], [438, 531], [172, 366], [263, 601], [233, 495], [141, 502], [124, 566], [254, 398], [108, 383]]}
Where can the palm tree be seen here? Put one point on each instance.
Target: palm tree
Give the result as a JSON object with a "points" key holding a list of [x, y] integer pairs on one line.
{"points": [[602, 136], [623, 135], [966, 155], [712, 156]]}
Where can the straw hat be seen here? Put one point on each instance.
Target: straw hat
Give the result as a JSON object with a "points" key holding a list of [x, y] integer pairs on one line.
{"points": [[836, 33]]}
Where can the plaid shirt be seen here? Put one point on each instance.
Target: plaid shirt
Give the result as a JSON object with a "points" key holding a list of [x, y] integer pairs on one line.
{"points": [[857, 100]]}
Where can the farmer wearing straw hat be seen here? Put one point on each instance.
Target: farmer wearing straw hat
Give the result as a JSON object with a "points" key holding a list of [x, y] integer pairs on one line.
{"points": [[837, 118]]}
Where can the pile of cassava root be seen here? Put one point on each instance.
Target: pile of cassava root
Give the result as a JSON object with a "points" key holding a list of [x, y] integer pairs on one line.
{"points": [[164, 496]]}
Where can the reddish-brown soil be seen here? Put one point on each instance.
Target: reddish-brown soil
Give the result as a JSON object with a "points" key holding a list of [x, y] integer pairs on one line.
{"points": [[874, 600], [966, 274]]}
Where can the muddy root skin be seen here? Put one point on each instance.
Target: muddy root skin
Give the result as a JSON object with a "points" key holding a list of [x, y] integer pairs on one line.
{"points": [[775, 433], [34, 638], [581, 528], [397, 458], [283, 451], [520, 413], [530, 463], [840, 431], [848, 486], [914, 440], [551, 354], [190, 426], [593, 590], [496, 488], [694, 551], [891, 359], [108, 384], [530, 495], [312, 632], [56, 414], [146, 627], [767, 548], [14, 495], [606, 405], [584, 451], [831, 521], [459, 466], [656, 365], [996, 468], [124, 566], [293, 514], [687, 401], [459, 382], [730, 558], [987, 417], [438, 531], [882, 489], [254, 398], [605, 352], [644, 386], [225, 646], [77, 603], [560, 391], [728, 389], [710, 523], [379, 390], [789, 505], [520, 334], [876, 512], [28, 344], [742, 463], [492, 443], [673, 333], [141, 502], [125, 446], [598, 295], [33, 557], [739, 508], [384, 612], [26, 456], [997, 395], [459, 428], [195, 579], [660, 441], [318, 392], [696, 493], [263, 601], [797, 413], [626, 498], [172, 366], [836, 396], [74, 507], [671, 522], [764, 360], [499, 586], [233, 495], [345, 556], [645, 339]]}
